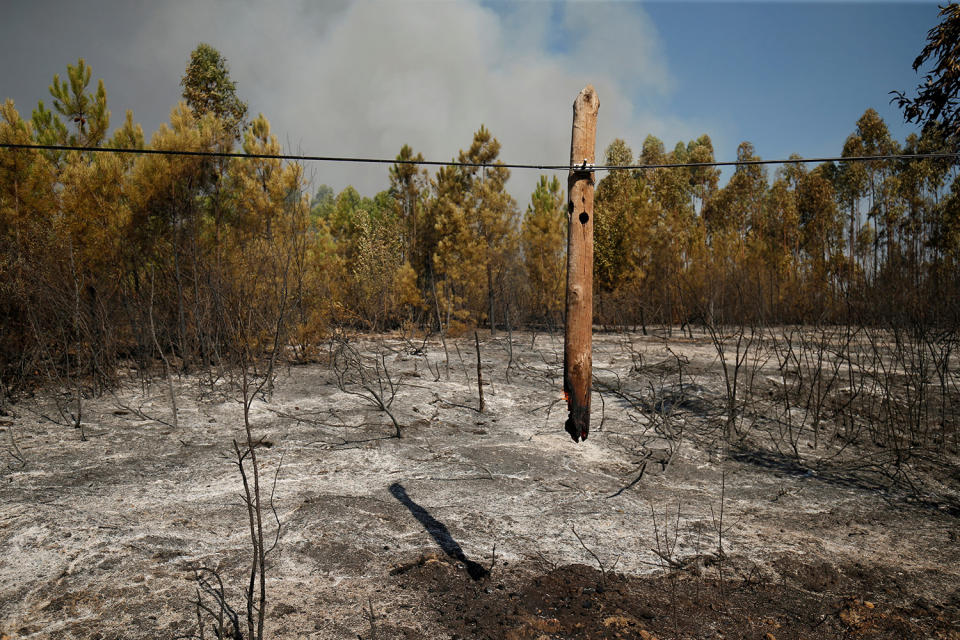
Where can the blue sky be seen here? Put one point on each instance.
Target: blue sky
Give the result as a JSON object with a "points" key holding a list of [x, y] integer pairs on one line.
{"points": [[362, 78], [790, 77]]}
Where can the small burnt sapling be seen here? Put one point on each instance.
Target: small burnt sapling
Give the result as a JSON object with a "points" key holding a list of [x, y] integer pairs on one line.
{"points": [[256, 317], [368, 378]]}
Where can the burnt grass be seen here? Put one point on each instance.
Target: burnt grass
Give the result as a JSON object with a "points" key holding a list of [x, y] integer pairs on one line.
{"points": [[666, 523]]}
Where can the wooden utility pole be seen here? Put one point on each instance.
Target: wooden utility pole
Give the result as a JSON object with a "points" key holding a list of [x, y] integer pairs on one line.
{"points": [[578, 339]]}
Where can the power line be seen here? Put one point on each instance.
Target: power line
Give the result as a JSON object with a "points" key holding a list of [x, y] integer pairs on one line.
{"points": [[738, 163], [270, 156], [452, 163]]}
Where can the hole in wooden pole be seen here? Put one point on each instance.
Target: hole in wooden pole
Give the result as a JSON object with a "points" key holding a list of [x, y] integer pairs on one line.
{"points": [[584, 217]]}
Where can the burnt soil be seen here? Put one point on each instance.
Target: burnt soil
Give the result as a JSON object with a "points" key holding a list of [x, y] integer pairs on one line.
{"points": [[475, 525], [577, 601]]}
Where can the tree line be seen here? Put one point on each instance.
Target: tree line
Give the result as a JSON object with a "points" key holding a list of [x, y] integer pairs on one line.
{"points": [[198, 262]]}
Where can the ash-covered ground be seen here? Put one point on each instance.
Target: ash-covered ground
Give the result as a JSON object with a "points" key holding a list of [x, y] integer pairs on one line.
{"points": [[493, 525]]}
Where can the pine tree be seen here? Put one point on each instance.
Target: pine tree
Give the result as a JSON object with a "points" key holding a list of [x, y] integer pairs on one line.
{"points": [[544, 239], [165, 247], [493, 213], [407, 184], [457, 265], [48, 129], [475, 219], [27, 204], [87, 112]]}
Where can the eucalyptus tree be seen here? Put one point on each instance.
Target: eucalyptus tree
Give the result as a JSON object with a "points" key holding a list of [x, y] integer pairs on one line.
{"points": [[936, 106], [738, 206], [671, 199], [880, 179], [208, 88], [704, 181], [615, 196], [821, 226], [780, 245], [850, 186]]}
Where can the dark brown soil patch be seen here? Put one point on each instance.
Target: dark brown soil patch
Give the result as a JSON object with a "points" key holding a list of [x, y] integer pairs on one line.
{"points": [[576, 601]]}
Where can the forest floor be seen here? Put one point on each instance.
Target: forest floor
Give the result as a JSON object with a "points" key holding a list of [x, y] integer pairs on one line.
{"points": [[472, 525]]}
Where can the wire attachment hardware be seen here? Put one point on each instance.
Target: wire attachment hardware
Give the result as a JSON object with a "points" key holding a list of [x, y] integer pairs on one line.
{"points": [[584, 167]]}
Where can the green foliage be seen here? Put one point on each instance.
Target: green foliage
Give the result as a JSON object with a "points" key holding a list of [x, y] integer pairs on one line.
{"points": [[615, 225], [544, 241], [475, 219], [322, 204], [821, 225], [208, 88], [935, 106], [87, 112], [408, 184], [48, 128], [374, 268], [128, 136]]}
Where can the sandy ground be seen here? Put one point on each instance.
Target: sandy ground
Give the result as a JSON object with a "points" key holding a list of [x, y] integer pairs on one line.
{"points": [[101, 536]]}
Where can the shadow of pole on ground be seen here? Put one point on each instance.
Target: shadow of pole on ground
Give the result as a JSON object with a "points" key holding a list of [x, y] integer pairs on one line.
{"points": [[438, 531]]}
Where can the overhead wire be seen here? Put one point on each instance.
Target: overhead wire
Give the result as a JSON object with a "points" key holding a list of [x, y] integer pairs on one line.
{"points": [[453, 163]]}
